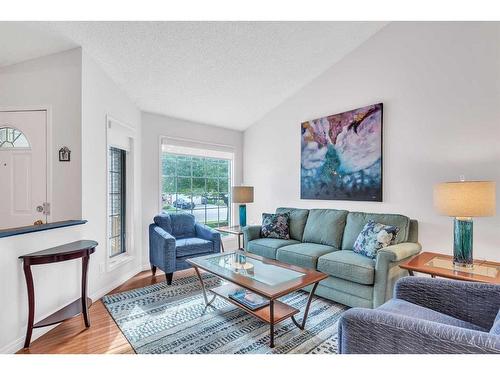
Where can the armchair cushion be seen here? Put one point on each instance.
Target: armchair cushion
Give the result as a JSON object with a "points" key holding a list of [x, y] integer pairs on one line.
{"points": [[192, 246], [164, 222], [183, 225], [347, 265], [408, 309]]}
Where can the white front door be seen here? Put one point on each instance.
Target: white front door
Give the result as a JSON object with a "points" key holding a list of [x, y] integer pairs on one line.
{"points": [[23, 168]]}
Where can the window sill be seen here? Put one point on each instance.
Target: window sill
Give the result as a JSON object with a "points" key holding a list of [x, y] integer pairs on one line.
{"points": [[38, 228], [118, 261]]}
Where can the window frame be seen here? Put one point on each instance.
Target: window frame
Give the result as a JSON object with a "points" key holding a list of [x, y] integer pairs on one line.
{"points": [[123, 201], [201, 146], [118, 133]]}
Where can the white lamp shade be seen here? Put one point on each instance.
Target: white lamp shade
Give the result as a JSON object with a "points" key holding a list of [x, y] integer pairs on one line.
{"points": [[465, 198], [242, 194]]}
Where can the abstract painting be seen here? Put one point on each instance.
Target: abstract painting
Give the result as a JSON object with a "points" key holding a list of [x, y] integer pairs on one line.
{"points": [[341, 157]]}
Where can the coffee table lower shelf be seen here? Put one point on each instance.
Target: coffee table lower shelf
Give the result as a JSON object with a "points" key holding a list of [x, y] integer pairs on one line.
{"points": [[282, 311]]}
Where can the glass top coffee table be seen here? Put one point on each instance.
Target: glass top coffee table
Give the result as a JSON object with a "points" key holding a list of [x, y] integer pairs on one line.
{"points": [[265, 277]]}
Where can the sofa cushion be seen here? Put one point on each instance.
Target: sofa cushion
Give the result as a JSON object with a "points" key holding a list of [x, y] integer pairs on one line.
{"points": [[495, 329], [183, 225], [348, 265], [411, 310], [325, 226], [275, 226], [374, 237], [267, 247], [298, 218], [192, 246], [164, 222], [303, 254], [357, 220]]}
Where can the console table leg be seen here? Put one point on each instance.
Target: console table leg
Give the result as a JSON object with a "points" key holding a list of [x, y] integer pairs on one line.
{"points": [[85, 307], [31, 302], [271, 316]]}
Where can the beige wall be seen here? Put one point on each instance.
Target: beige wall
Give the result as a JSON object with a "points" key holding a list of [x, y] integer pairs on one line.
{"points": [[440, 85]]}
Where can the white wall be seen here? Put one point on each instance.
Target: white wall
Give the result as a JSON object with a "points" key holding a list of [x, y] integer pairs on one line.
{"points": [[155, 126], [53, 81], [100, 98], [85, 122], [440, 85]]}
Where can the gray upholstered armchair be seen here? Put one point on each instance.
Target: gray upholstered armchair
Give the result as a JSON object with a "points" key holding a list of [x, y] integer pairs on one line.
{"points": [[173, 238], [426, 316]]}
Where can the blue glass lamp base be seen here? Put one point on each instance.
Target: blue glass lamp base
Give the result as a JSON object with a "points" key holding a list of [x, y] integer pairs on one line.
{"points": [[462, 243], [243, 215]]}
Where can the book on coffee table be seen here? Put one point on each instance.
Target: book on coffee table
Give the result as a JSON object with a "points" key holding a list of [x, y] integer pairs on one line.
{"points": [[249, 299]]}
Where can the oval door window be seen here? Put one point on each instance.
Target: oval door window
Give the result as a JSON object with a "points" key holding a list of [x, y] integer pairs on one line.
{"points": [[13, 138]]}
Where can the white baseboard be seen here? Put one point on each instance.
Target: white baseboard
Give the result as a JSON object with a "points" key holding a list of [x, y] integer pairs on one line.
{"points": [[18, 344]]}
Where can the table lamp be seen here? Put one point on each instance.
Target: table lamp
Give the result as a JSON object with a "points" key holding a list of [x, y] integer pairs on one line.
{"points": [[243, 194], [464, 200]]}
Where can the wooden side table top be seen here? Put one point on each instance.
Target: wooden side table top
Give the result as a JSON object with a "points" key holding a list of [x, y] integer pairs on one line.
{"points": [[436, 264]]}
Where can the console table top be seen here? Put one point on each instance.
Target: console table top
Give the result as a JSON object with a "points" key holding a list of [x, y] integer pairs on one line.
{"points": [[66, 249]]}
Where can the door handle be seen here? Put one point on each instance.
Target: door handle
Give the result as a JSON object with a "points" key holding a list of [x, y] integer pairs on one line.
{"points": [[45, 208]]}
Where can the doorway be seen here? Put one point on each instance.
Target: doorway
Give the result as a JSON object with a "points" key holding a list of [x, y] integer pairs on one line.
{"points": [[23, 168]]}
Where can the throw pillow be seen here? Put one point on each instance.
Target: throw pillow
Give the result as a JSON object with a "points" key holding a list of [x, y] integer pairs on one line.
{"points": [[374, 237], [276, 226]]}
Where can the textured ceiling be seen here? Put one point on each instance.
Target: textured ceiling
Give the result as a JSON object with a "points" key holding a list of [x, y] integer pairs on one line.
{"points": [[228, 74]]}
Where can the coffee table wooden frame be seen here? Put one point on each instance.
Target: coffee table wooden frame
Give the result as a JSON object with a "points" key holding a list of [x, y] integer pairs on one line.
{"points": [[276, 311]]}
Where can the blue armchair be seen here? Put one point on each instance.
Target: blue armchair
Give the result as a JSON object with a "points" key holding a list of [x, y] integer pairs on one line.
{"points": [[426, 316], [173, 238]]}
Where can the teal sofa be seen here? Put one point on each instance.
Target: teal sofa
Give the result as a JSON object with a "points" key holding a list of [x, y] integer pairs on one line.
{"points": [[323, 239]]}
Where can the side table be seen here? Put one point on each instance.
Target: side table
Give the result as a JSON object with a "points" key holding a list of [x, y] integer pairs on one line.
{"points": [[236, 230], [441, 265], [74, 250]]}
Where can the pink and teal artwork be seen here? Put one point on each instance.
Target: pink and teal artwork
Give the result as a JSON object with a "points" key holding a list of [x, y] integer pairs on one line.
{"points": [[341, 157]]}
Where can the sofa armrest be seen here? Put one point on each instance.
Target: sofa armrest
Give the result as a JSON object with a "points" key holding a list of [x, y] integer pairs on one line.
{"points": [[387, 269], [401, 251], [476, 303], [250, 233], [209, 234], [363, 331], [161, 248]]}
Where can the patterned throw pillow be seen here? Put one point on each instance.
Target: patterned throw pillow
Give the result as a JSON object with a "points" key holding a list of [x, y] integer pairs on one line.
{"points": [[276, 226], [374, 237]]}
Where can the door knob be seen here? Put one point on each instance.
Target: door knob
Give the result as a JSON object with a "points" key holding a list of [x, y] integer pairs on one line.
{"points": [[39, 208]]}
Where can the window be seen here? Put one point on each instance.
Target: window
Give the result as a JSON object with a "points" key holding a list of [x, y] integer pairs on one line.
{"points": [[10, 138], [117, 201], [197, 184]]}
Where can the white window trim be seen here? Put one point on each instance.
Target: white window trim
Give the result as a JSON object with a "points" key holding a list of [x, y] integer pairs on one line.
{"points": [[125, 131], [163, 139]]}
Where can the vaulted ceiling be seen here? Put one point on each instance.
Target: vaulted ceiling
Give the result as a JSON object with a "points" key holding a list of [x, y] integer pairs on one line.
{"points": [[227, 74]]}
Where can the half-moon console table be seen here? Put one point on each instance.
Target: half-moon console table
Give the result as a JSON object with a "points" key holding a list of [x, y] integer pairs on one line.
{"points": [[74, 250]]}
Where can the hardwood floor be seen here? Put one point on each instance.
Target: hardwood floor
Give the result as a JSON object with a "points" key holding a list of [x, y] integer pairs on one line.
{"points": [[103, 336]]}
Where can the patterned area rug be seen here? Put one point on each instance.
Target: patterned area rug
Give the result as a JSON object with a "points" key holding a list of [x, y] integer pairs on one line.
{"points": [[174, 320]]}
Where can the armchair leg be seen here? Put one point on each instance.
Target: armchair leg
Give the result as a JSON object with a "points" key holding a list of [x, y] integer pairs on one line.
{"points": [[153, 269], [169, 278]]}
